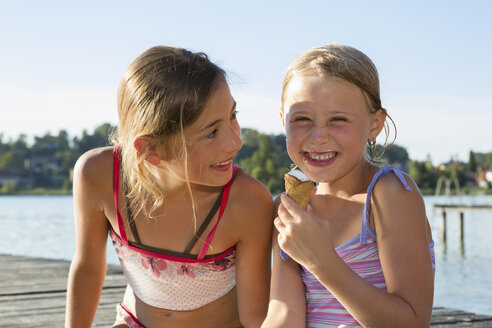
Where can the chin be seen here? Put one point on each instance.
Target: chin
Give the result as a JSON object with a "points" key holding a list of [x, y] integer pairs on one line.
{"points": [[219, 179]]}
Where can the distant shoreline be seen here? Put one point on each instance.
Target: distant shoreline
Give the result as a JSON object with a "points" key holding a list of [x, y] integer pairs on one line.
{"points": [[470, 191], [39, 191], [465, 191]]}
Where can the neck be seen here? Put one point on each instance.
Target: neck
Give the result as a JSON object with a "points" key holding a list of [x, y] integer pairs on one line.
{"points": [[356, 181], [176, 187]]}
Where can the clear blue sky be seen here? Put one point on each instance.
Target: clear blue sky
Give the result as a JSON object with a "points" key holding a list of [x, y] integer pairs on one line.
{"points": [[61, 61]]}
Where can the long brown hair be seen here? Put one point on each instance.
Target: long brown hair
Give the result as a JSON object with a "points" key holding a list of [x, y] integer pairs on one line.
{"points": [[163, 91]]}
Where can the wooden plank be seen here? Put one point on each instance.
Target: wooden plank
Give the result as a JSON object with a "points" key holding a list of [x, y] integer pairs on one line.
{"points": [[33, 294], [464, 206], [48, 310], [443, 317], [22, 275]]}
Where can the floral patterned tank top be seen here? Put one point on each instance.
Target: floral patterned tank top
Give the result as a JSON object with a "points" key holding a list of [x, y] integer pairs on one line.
{"points": [[169, 280]]}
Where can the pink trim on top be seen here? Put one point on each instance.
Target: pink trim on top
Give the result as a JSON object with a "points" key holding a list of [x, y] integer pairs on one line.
{"points": [[116, 188], [134, 318], [223, 203], [122, 237], [170, 257]]}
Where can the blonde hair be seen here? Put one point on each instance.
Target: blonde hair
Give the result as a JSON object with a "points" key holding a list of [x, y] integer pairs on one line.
{"points": [[347, 63], [163, 91]]}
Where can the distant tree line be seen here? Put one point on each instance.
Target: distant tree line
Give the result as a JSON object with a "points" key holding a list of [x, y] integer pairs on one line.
{"points": [[47, 163]]}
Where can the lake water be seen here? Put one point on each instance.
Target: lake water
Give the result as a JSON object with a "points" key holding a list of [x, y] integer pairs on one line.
{"points": [[42, 226]]}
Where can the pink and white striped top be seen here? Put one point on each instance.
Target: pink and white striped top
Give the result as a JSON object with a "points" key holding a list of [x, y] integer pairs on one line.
{"points": [[361, 255]]}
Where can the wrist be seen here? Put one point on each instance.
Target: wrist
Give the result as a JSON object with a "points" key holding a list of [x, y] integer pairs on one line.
{"points": [[323, 263]]}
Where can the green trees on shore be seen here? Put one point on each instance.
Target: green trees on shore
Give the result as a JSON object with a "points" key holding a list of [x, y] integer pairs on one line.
{"points": [[46, 164]]}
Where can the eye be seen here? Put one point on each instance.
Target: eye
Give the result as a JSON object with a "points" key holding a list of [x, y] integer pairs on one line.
{"points": [[234, 115], [339, 118], [212, 134], [300, 119]]}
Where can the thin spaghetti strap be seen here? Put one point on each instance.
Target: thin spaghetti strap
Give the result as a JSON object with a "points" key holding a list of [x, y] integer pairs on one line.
{"points": [[116, 187], [205, 223], [225, 197], [365, 228], [129, 215]]}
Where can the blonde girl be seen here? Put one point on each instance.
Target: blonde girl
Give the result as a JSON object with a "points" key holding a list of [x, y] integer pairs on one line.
{"points": [[361, 255], [192, 232]]}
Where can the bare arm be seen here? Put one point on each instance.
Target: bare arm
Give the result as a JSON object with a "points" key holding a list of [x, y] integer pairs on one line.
{"points": [[253, 252], [287, 306], [401, 229], [88, 267]]}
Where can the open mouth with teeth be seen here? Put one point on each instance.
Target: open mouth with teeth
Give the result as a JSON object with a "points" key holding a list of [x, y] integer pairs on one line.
{"points": [[222, 165], [320, 158]]}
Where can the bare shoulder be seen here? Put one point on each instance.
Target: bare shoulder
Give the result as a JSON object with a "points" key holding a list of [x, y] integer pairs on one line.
{"points": [[390, 189], [398, 208], [94, 167], [250, 190], [251, 196]]}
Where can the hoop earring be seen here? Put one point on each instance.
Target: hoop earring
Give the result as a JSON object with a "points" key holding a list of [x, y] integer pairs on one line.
{"points": [[372, 147]]}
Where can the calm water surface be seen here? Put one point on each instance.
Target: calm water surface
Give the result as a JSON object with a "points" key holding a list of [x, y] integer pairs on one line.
{"points": [[42, 226]]}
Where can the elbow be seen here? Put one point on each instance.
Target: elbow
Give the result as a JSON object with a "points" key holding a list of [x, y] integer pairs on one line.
{"points": [[422, 321], [282, 318], [253, 321]]}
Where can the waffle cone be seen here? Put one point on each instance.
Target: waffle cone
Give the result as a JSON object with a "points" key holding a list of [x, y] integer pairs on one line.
{"points": [[297, 190]]}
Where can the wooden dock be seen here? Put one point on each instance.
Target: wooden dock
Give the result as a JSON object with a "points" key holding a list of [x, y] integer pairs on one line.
{"points": [[461, 208], [33, 292]]}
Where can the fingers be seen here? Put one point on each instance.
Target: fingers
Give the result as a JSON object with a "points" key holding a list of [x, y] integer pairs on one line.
{"points": [[279, 225], [290, 206], [290, 216], [284, 214], [281, 237]]}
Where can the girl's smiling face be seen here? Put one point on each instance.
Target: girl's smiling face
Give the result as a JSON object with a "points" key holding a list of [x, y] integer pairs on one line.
{"points": [[327, 123], [212, 142]]}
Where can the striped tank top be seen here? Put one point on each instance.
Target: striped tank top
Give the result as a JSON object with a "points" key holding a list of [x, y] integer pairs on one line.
{"points": [[361, 255]]}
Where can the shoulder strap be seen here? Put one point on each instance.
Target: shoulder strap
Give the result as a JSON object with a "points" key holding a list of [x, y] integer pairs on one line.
{"points": [[116, 187], [365, 227], [129, 215], [223, 203], [205, 223]]}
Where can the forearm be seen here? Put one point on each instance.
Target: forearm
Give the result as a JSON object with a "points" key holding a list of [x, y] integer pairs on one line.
{"points": [[369, 305], [253, 294], [83, 292], [280, 316], [287, 306], [255, 314]]}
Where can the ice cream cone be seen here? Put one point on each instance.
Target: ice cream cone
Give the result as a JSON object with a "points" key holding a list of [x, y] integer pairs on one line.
{"points": [[298, 187]]}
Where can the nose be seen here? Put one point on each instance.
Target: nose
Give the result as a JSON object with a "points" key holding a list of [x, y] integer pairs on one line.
{"points": [[319, 134], [233, 141]]}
